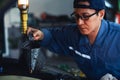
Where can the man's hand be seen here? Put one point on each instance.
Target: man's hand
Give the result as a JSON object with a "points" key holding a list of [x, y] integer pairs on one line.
{"points": [[37, 34]]}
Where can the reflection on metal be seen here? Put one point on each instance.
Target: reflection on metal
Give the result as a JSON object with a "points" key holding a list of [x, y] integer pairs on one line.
{"points": [[34, 56], [11, 18]]}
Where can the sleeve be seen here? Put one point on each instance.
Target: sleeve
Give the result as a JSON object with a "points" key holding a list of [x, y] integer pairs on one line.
{"points": [[47, 38], [51, 41]]}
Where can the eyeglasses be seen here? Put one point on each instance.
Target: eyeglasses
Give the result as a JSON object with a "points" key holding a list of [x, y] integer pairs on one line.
{"points": [[83, 17]]}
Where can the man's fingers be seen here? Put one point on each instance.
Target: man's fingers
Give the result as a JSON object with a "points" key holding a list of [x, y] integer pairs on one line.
{"points": [[30, 29], [38, 35]]}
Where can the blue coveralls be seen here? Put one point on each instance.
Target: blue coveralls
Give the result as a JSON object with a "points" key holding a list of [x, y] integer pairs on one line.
{"points": [[94, 60]]}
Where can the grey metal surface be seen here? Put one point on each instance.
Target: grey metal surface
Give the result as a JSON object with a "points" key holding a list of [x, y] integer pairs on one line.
{"points": [[13, 77]]}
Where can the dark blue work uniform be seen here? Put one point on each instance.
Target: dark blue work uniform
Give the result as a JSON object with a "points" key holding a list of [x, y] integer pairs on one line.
{"points": [[95, 60]]}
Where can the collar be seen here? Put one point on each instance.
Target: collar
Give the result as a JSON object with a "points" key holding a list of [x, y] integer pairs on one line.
{"points": [[102, 33]]}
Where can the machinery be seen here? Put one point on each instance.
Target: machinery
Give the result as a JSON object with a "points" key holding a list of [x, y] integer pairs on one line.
{"points": [[31, 61]]}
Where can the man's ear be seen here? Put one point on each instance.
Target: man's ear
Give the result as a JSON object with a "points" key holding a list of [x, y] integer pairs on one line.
{"points": [[101, 14]]}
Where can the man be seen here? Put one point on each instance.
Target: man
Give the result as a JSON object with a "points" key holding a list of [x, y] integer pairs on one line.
{"points": [[94, 43]]}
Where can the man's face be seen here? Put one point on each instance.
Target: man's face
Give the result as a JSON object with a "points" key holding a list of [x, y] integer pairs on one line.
{"points": [[88, 20]]}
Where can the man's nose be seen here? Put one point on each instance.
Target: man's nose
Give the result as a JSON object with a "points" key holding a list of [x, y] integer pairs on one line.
{"points": [[80, 21]]}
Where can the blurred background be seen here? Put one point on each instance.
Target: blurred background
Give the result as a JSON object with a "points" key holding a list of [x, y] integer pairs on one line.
{"points": [[41, 14]]}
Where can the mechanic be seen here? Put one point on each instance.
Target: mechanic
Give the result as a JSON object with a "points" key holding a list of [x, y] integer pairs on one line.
{"points": [[94, 43]]}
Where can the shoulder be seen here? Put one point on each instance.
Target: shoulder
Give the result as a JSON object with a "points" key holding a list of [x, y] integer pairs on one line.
{"points": [[114, 26], [111, 26]]}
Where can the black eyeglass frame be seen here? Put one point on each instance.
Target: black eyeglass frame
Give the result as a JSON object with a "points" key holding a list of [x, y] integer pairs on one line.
{"points": [[77, 17]]}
